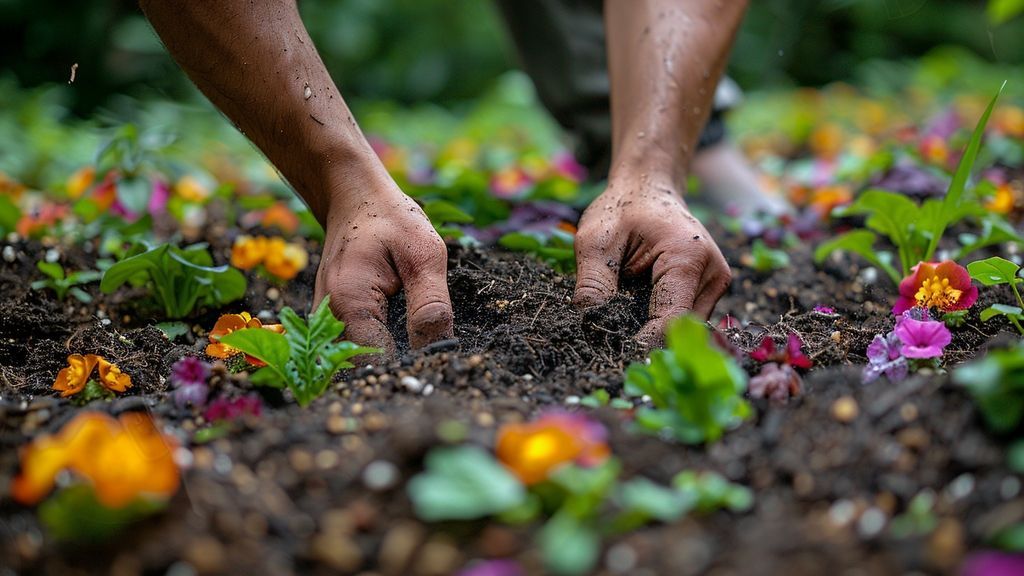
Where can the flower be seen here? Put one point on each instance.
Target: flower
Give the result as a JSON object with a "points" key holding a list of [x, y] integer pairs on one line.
{"points": [[1003, 201], [510, 182], [157, 204], [234, 408], [227, 324], [191, 394], [779, 383], [885, 357], [80, 181], [112, 378], [533, 450], [793, 355], [934, 150], [248, 252], [282, 217], [41, 219], [285, 260], [123, 459], [188, 376], [943, 285], [493, 568], [71, 380], [922, 338], [824, 310], [190, 189], [993, 563]]}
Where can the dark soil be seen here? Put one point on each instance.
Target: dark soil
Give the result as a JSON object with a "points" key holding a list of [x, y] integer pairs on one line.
{"points": [[287, 492]]}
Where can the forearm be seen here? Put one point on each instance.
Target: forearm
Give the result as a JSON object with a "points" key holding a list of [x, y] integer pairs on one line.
{"points": [[665, 58], [255, 61]]}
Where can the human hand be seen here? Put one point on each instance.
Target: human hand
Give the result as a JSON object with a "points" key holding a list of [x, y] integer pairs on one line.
{"points": [[639, 225], [375, 244]]}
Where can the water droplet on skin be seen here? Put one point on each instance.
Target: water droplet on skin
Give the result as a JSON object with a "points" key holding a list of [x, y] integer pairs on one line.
{"points": [[307, 92]]}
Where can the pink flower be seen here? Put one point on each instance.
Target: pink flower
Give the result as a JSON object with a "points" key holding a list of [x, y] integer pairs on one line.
{"points": [[922, 338], [157, 205], [779, 383], [993, 563], [824, 310], [792, 356], [493, 568], [234, 408], [945, 285]]}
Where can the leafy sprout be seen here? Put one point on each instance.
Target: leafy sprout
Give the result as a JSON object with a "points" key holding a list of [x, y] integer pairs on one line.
{"points": [[996, 271], [64, 283], [996, 383]]}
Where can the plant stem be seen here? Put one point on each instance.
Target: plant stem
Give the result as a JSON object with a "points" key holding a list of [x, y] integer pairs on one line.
{"points": [[1020, 302]]}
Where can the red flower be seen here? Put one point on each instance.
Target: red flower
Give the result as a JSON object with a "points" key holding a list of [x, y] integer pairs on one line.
{"points": [[792, 355], [946, 286]]}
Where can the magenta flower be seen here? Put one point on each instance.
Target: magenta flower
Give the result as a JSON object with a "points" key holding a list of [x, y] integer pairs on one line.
{"points": [[157, 205], [942, 285], [993, 563], [189, 370], [779, 383], [922, 338], [191, 394], [792, 355], [493, 568], [824, 310], [234, 408], [567, 167], [885, 357]]}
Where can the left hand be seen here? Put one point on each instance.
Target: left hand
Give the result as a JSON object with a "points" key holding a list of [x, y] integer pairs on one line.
{"points": [[638, 225]]}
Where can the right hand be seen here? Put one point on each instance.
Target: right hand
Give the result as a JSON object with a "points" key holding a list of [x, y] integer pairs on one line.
{"points": [[376, 244]]}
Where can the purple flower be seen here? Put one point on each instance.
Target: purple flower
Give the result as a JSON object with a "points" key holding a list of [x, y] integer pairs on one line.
{"points": [[189, 371], [992, 563], [233, 408], [922, 338], [191, 394], [885, 357], [912, 180], [493, 568], [779, 383], [567, 166], [825, 310], [157, 205]]}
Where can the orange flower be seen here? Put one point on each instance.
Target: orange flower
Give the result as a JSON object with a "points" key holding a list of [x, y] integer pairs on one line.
{"points": [[71, 380], [112, 378], [248, 252], [1003, 201], [934, 150], [190, 189], [826, 141], [281, 216], [80, 181], [1009, 120], [227, 324], [532, 451], [123, 460], [41, 219], [10, 187], [826, 198], [285, 260]]}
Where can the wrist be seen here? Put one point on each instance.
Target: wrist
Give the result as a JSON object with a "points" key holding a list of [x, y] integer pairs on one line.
{"points": [[349, 181]]}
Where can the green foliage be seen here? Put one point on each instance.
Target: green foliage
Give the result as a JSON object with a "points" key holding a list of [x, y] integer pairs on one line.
{"points": [[180, 279], [570, 540], [9, 215], [711, 491], [63, 283], [696, 388], [305, 358], [996, 271], [463, 483], [1001, 11], [765, 259], [914, 230], [73, 514], [996, 383], [919, 518], [442, 214], [556, 250]]}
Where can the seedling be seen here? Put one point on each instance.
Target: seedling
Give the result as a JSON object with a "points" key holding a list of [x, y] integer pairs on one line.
{"points": [[913, 229], [180, 279], [764, 259], [996, 271], [996, 382], [697, 389], [555, 249], [63, 283], [305, 358]]}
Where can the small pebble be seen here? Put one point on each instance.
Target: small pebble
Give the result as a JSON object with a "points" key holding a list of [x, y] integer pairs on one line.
{"points": [[52, 255], [428, 389], [961, 486], [9, 254], [845, 409], [841, 512], [380, 475], [412, 383], [337, 424], [273, 293], [572, 400], [908, 412], [1009, 488], [837, 336], [621, 559], [485, 419], [871, 522]]}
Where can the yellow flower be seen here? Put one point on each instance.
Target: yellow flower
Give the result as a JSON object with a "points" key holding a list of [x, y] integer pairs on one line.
{"points": [[225, 325], [123, 459], [189, 188], [826, 141], [1003, 201], [248, 252], [534, 450], [284, 260], [112, 378], [80, 181], [71, 380]]}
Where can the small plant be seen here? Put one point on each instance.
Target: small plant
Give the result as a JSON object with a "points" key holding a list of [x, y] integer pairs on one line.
{"points": [[996, 271], [556, 249], [913, 229], [697, 390], [63, 283], [180, 279], [764, 259], [996, 382], [304, 358], [779, 379]]}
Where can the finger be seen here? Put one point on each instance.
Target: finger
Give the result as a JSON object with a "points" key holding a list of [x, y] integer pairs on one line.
{"points": [[597, 271], [359, 298], [676, 280], [423, 270], [716, 283]]}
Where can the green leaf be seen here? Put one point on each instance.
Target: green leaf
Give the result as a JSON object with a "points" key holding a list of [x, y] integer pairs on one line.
{"points": [[568, 546], [951, 202], [643, 497], [860, 242], [172, 330], [443, 212], [1002, 11], [1000, 310], [767, 259], [711, 491], [134, 194], [51, 269], [74, 514], [520, 242], [146, 262], [1010, 538], [1015, 457], [263, 344], [994, 230], [463, 483], [9, 214], [996, 384], [993, 271]]}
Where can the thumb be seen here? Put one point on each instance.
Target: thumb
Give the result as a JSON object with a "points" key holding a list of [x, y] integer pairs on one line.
{"points": [[597, 273]]}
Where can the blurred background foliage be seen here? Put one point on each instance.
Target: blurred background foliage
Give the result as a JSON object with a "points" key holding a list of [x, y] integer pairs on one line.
{"points": [[450, 51]]}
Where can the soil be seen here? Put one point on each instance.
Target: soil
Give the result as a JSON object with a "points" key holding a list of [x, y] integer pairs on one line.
{"points": [[287, 492]]}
